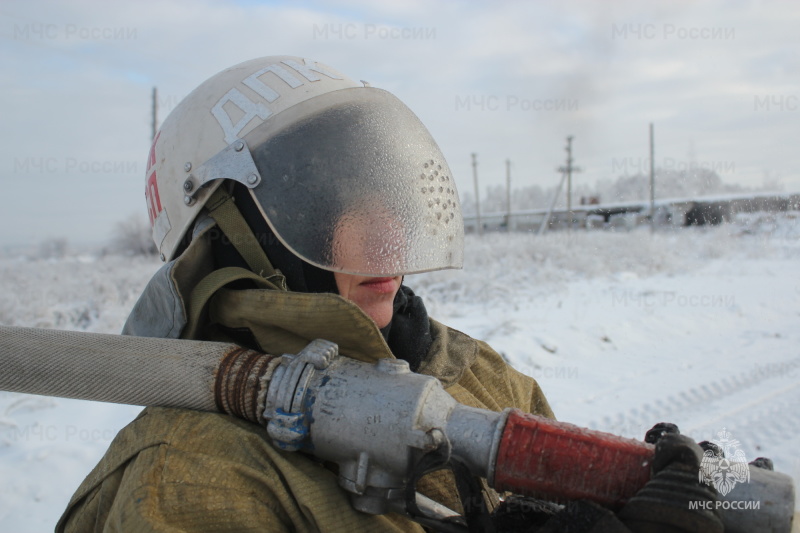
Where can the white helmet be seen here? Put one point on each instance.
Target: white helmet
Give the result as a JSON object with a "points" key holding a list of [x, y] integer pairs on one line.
{"points": [[346, 176]]}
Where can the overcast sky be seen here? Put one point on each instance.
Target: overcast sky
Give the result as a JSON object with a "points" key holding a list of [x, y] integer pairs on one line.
{"points": [[502, 79]]}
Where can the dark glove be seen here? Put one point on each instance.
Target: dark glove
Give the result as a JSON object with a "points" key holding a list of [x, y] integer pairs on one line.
{"points": [[517, 514], [659, 430], [763, 462], [759, 462], [584, 517], [663, 504]]}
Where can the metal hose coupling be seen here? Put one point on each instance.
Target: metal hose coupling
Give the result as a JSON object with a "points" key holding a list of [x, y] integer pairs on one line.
{"points": [[287, 401], [374, 420]]}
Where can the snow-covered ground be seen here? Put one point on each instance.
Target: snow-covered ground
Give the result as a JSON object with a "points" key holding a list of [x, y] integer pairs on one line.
{"points": [[698, 327]]}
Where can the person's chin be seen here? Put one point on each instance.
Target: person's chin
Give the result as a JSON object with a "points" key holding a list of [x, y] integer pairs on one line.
{"points": [[381, 313]]}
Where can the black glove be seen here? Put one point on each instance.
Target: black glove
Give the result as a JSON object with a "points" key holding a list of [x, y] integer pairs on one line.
{"points": [[759, 462], [763, 462], [517, 514], [663, 504], [659, 430], [584, 517]]}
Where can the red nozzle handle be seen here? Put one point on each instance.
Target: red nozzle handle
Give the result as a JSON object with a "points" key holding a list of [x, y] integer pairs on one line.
{"points": [[543, 458]]}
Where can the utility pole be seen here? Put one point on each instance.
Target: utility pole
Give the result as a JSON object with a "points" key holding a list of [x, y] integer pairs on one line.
{"points": [[155, 113], [477, 193], [546, 219], [508, 195], [568, 170], [652, 182]]}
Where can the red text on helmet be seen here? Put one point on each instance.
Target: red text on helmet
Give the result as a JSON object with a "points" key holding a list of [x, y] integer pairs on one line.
{"points": [[151, 187]]}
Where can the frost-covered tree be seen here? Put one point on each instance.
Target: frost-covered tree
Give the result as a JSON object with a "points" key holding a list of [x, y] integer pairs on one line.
{"points": [[55, 248], [132, 237]]}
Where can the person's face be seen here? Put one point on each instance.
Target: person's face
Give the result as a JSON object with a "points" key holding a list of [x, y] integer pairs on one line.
{"points": [[374, 296], [366, 239]]}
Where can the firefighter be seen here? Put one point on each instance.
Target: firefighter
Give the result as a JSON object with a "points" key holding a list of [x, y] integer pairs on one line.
{"points": [[288, 202]]}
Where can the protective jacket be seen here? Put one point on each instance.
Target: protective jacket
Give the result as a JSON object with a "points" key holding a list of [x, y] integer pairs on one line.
{"points": [[181, 470]]}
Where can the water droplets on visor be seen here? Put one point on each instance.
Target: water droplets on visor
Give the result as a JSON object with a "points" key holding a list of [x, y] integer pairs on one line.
{"points": [[352, 181]]}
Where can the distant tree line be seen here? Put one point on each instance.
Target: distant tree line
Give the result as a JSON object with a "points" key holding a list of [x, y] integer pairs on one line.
{"points": [[669, 184]]}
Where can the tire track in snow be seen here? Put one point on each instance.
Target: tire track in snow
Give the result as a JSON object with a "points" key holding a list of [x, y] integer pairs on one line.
{"points": [[771, 419], [636, 421]]}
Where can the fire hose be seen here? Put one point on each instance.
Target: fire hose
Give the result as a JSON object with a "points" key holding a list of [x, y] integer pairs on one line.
{"points": [[376, 421]]}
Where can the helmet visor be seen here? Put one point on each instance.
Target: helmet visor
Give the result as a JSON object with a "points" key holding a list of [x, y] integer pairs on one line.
{"points": [[351, 181]]}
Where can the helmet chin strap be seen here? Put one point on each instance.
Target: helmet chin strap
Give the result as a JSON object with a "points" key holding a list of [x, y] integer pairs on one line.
{"points": [[300, 275], [222, 209]]}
